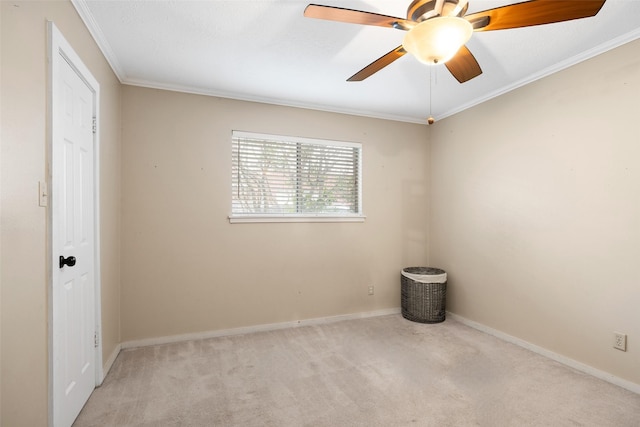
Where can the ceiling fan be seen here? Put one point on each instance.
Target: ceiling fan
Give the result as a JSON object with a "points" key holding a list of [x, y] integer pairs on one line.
{"points": [[437, 30]]}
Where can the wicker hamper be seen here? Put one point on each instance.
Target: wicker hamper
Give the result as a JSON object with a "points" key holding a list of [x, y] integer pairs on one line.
{"points": [[424, 291]]}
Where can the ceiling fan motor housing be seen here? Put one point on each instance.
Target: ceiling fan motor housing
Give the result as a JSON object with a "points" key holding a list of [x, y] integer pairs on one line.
{"points": [[421, 10]]}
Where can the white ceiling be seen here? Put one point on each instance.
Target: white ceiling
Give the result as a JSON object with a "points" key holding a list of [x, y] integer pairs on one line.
{"points": [[265, 50]]}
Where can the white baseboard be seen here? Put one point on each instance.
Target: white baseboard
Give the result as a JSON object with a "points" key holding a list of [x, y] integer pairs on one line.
{"points": [[257, 328], [109, 363], [549, 354], [628, 385]]}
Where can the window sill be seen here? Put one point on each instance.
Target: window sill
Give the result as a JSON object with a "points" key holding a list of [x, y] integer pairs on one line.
{"points": [[239, 219]]}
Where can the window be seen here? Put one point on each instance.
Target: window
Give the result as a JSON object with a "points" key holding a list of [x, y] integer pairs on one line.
{"points": [[281, 178]]}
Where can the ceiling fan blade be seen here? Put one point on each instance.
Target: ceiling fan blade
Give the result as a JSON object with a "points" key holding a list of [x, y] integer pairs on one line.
{"points": [[535, 12], [463, 66], [378, 64], [351, 16]]}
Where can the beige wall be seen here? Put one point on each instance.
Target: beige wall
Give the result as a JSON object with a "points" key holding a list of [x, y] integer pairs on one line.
{"points": [[24, 280], [186, 269], [535, 211]]}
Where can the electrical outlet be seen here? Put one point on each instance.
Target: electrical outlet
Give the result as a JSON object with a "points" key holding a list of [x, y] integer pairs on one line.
{"points": [[620, 341], [371, 290]]}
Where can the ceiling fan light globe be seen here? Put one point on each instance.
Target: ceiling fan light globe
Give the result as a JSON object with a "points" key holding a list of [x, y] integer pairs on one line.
{"points": [[437, 40]]}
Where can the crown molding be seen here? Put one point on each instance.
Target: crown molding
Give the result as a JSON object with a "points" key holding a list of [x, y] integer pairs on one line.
{"points": [[270, 101], [569, 62], [98, 36]]}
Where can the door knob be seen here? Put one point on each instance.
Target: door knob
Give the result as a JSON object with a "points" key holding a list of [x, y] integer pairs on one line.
{"points": [[70, 261]]}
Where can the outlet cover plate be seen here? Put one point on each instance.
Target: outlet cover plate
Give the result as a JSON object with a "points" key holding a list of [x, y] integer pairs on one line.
{"points": [[620, 341]]}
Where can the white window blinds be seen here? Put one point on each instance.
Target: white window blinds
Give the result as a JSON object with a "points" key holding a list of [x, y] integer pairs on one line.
{"points": [[288, 176]]}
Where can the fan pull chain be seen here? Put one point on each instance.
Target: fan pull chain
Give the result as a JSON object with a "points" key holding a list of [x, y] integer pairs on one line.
{"points": [[430, 120]]}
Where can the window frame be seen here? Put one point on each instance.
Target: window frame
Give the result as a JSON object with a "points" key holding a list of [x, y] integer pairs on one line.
{"points": [[298, 217]]}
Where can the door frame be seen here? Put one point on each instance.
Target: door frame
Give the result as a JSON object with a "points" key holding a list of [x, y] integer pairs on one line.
{"points": [[58, 49]]}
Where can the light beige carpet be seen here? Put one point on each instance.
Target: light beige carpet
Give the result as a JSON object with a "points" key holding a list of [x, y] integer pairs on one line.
{"points": [[381, 371]]}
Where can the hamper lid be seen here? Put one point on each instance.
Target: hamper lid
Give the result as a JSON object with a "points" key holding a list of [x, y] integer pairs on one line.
{"points": [[425, 274]]}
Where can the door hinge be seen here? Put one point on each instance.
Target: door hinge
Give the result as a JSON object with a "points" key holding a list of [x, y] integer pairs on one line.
{"points": [[94, 126], [95, 339]]}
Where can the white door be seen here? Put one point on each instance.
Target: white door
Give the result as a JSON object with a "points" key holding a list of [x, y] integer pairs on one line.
{"points": [[73, 243]]}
